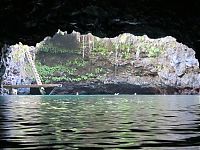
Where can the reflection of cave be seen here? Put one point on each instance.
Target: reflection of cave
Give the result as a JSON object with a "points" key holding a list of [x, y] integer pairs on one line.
{"points": [[39, 18]]}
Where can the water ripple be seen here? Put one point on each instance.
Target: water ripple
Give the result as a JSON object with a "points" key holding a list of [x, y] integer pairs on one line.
{"points": [[99, 122]]}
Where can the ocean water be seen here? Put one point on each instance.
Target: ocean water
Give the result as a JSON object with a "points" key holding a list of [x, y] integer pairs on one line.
{"points": [[100, 122]]}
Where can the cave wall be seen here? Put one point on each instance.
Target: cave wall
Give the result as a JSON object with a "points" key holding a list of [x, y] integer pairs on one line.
{"points": [[30, 21]]}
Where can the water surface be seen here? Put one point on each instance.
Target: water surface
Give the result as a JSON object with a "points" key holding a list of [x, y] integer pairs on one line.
{"points": [[100, 122]]}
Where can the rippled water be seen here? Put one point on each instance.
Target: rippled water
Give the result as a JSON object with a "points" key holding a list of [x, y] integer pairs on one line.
{"points": [[100, 122]]}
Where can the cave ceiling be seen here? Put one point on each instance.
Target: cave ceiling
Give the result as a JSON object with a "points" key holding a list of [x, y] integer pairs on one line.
{"points": [[30, 21]]}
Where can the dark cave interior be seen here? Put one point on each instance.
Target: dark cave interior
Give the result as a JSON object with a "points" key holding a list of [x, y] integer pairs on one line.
{"points": [[31, 21]]}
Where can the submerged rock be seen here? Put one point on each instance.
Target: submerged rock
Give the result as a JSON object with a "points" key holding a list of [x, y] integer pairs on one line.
{"points": [[150, 65]]}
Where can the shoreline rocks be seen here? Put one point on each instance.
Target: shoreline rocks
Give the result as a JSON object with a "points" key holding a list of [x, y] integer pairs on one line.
{"points": [[120, 89]]}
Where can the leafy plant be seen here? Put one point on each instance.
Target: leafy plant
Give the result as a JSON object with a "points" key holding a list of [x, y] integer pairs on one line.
{"points": [[52, 48], [65, 73], [99, 47], [98, 70], [153, 52], [77, 62]]}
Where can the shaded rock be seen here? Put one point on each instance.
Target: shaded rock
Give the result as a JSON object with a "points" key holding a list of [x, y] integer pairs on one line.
{"points": [[4, 63], [176, 63], [181, 58], [121, 88], [190, 80]]}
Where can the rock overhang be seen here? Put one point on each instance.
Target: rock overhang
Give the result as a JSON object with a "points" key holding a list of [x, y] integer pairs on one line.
{"points": [[35, 20]]}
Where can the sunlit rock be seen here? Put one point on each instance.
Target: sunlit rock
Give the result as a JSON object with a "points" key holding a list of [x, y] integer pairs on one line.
{"points": [[19, 70], [125, 59]]}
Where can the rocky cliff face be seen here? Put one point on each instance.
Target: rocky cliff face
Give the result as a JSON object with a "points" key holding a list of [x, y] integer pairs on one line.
{"points": [[143, 64], [4, 63], [17, 69]]}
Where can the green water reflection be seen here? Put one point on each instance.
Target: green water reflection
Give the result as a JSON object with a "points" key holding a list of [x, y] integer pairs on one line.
{"points": [[99, 121]]}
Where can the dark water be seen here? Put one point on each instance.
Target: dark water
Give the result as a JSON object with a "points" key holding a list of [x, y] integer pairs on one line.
{"points": [[100, 122]]}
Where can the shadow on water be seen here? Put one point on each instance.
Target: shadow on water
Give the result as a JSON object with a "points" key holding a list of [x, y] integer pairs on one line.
{"points": [[100, 122]]}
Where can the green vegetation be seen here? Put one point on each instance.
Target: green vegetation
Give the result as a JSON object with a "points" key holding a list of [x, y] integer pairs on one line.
{"points": [[52, 48], [153, 51], [99, 47], [126, 50], [104, 49], [150, 49], [70, 72], [72, 68], [77, 63]]}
